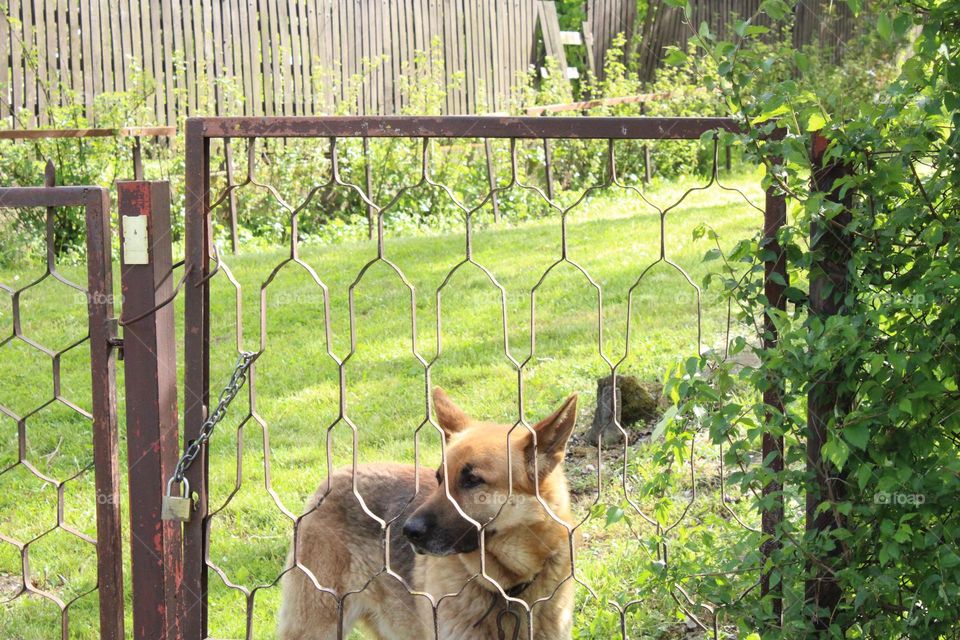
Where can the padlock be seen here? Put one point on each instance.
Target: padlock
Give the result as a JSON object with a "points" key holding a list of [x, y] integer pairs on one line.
{"points": [[177, 508]]}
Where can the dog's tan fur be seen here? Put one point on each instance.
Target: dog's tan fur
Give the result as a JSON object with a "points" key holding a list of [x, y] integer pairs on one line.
{"points": [[527, 547]]}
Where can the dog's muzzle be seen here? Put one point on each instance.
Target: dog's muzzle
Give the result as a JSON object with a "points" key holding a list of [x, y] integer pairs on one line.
{"points": [[426, 537]]}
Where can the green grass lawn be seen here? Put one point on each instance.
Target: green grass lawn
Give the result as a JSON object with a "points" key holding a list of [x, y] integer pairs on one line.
{"points": [[614, 237]]}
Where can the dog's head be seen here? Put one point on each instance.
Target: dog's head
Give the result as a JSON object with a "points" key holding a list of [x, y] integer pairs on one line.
{"points": [[479, 475]]}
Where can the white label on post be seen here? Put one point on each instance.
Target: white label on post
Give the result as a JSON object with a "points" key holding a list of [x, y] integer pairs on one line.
{"points": [[135, 240]]}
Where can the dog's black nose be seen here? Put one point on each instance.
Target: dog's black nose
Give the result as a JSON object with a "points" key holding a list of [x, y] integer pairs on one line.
{"points": [[415, 528]]}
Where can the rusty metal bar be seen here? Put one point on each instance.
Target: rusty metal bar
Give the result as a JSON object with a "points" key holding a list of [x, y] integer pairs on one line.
{"points": [[775, 217], [106, 460], [13, 197], [828, 284], [151, 395], [193, 598], [463, 127]]}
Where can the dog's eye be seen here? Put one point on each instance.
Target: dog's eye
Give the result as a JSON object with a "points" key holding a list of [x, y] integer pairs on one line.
{"points": [[439, 477], [469, 480]]}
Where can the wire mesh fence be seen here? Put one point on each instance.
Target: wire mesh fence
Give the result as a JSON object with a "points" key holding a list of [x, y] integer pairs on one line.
{"points": [[646, 531]]}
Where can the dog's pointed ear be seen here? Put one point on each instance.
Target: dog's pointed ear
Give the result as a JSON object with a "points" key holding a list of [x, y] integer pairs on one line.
{"points": [[450, 417], [552, 435]]}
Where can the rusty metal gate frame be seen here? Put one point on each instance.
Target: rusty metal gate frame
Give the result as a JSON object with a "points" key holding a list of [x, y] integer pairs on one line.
{"points": [[101, 327], [199, 251]]}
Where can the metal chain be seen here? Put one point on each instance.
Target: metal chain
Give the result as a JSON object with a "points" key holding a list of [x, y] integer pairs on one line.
{"points": [[206, 430]]}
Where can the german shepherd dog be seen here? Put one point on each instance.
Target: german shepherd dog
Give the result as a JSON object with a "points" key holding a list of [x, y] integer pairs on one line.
{"points": [[504, 568]]}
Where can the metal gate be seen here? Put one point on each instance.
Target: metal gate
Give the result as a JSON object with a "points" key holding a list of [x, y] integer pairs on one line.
{"points": [[203, 261], [170, 566], [103, 454]]}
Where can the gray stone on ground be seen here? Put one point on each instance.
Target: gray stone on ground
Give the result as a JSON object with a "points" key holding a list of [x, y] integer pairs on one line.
{"points": [[637, 403]]}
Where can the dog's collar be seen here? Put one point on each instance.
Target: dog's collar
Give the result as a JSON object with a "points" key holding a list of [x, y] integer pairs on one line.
{"points": [[512, 592]]}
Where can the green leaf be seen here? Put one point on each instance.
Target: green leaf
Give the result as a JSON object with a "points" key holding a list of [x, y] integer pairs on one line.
{"points": [[884, 26], [857, 434], [816, 122], [770, 114], [794, 294], [902, 24], [776, 9], [614, 515], [837, 452], [664, 422], [675, 57]]}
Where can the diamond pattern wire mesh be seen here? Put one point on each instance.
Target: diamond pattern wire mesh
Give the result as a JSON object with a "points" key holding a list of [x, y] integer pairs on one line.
{"points": [[237, 525], [52, 501]]}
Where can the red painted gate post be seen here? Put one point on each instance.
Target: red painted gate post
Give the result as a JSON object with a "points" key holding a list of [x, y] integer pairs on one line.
{"points": [[151, 395]]}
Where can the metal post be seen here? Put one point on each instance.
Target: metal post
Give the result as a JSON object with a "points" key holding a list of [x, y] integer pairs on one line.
{"points": [[232, 197], [106, 459], [728, 162], [492, 180], [775, 217], [193, 603], [828, 285], [151, 394]]}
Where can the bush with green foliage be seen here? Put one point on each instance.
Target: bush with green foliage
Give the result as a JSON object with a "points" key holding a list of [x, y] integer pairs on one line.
{"points": [[891, 354]]}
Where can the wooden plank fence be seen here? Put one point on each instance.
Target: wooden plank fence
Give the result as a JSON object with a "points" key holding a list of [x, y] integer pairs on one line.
{"points": [[608, 18], [306, 57], [258, 57], [825, 22]]}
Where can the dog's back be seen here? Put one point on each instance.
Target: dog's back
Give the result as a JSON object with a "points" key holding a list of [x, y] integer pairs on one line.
{"points": [[342, 546]]}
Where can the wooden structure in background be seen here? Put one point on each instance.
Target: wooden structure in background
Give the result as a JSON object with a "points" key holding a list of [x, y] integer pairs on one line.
{"points": [[302, 57], [825, 22], [259, 57], [606, 19]]}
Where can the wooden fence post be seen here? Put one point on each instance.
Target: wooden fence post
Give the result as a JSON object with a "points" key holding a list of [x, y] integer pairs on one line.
{"points": [[831, 247], [368, 186], [232, 196], [492, 180], [150, 380], [647, 169], [775, 217], [548, 166]]}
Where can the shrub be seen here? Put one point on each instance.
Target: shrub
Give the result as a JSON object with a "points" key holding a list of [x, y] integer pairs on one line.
{"points": [[889, 354]]}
